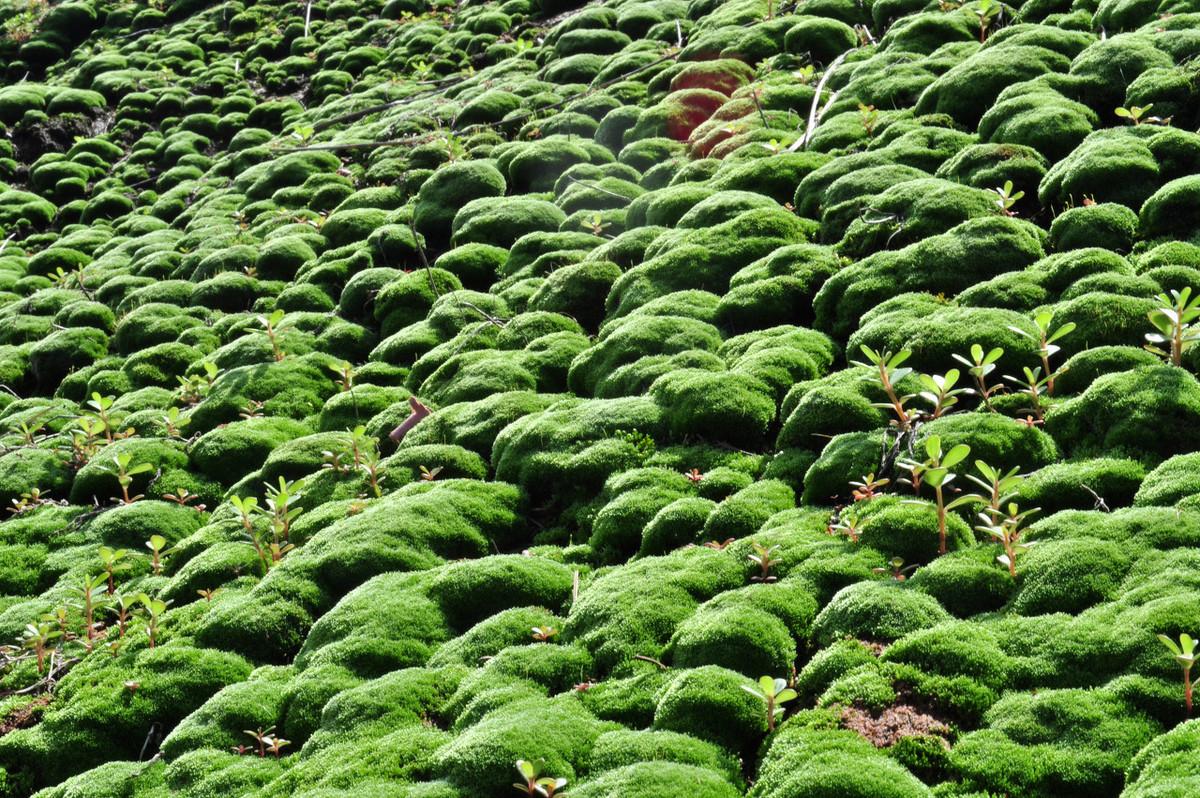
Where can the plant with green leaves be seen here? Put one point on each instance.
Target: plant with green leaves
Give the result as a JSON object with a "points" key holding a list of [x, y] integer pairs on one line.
{"points": [[896, 569], [30, 500], [934, 471], [1034, 385], [998, 487], [846, 524], [89, 602], [1008, 529], [334, 461], [940, 392], [980, 366], [345, 375], [1140, 115], [110, 561], [281, 510], [1006, 198], [123, 607], [125, 472], [101, 405], [1045, 337], [888, 371], [154, 609], [1185, 656], [372, 466], [273, 325], [1174, 319], [774, 693], [543, 634], [987, 12], [533, 783], [37, 638], [764, 558], [174, 422], [158, 547], [867, 487]]}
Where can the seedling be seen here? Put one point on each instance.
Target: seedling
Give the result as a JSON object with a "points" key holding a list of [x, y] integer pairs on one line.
{"points": [[359, 443], [1185, 655], [867, 487], [275, 744], [888, 371], [1034, 385], [252, 409], [87, 592], [534, 784], [207, 593], [980, 366], [280, 510], [29, 501], [1175, 321], [694, 476], [1045, 338], [719, 545], [542, 634], [774, 693], [987, 11], [935, 472], [184, 497], [260, 736], [345, 372], [372, 467], [846, 525], [157, 545], [896, 569], [246, 508], [332, 461], [123, 607], [126, 472], [174, 422], [940, 392], [100, 406], [595, 224], [1139, 115], [1006, 198], [154, 609], [110, 560], [273, 325], [1007, 529], [869, 117], [37, 638], [998, 487], [805, 74], [303, 133], [430, 474], [764, 558]]}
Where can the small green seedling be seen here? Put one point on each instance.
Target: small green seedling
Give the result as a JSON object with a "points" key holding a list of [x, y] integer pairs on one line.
{"points": [[887, 368], [1007, 529], [940, 392], [1045, 337], [1140, 115], [935, 472], [1174, 319], [1185, 655], [774, 693], [157, 545], [125, 472], [110, 561], [533, 783], [1006, 198], [764, 558], [37, 638], [980, 366]]}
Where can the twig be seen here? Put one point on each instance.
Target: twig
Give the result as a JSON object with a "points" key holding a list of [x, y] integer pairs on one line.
{"points": [[813, 116], [659, 663], [424, 259], [307, 17]]}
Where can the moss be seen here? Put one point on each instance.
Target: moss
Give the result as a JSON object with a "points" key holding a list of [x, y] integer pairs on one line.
{"points": [[732, 407], [24, 469], [876, 611], [1037, 744], [708, 703], [1069, 576], [559, 733], [813, 760], [1070, 486], [746, 511], [470, 593], [1107, 225], [1116, 414], [97, 481], [657, 780], [909, 530], [501, 221]]}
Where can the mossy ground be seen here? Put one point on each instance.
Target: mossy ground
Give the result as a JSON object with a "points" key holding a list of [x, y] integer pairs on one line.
{"points": [[618, 262]]}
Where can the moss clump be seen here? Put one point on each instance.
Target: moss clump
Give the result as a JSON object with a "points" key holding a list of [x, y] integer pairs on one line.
{"points": [[876, 611]]}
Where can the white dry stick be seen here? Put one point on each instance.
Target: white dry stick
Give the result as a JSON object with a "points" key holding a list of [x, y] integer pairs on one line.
{"points": [[814, 117]]}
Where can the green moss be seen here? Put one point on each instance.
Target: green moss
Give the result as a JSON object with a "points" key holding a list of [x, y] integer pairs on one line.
{"points": [[1069, 576], [657, 780], [472, 592], [709, 703], [1107, 225], [876, 611]]}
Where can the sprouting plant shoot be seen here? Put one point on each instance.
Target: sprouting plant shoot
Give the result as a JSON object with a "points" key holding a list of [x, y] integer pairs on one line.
{"points": [[1045, 337], [157, 545], [987, 11], [867, 487], [542, 634], [764, 557], [887, 368], [1008, 529], [774, 693], [940, 392], [1140, 115], [1006, 198], [896, 569], [980, 366], [998, 487], [935, 472], [533, 783], [1185, 655], [1174, 319], [125, 473], [273, 325], [110, 561], [154, 609]]}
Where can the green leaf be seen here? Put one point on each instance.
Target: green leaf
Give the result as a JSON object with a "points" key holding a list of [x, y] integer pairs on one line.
{"points": [[933, 447], [1171, 644], [956, 455]]}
